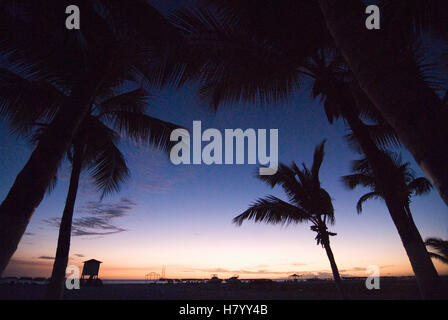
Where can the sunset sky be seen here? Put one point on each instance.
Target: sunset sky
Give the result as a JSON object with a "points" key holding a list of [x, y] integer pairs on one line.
{"points": [[180, 216]]}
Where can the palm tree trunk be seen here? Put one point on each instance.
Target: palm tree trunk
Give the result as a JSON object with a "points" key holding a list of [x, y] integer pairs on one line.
{"points": [[32, 182], [56, 286], [424, 270], [415, 112], [325, 241], [421, 262], [334, 267], [425, 261]]}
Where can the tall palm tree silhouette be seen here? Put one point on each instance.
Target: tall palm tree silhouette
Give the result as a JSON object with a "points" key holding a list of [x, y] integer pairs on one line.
{"points": [[118, 41], [401, 179], [308, 202], [441, 248], [94, 147], [266, 65], [342, 97], [397, 90], [113, 113], [307, 25]]}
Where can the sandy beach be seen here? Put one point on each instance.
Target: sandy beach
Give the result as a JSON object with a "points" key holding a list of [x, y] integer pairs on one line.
{"points": [[405, 289]]}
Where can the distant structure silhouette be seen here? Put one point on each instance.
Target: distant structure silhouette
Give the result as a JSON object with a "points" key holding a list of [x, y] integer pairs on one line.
{"points": [[91, 269], [295, 277], [163, 271], [234, 279], [214, 279], [152, 276]]}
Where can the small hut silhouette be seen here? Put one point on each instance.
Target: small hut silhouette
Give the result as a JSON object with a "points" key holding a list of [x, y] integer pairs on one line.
{"points": [[91, 269]]}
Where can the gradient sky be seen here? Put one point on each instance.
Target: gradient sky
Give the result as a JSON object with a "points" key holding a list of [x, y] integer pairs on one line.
{"points": [[180, 216]]}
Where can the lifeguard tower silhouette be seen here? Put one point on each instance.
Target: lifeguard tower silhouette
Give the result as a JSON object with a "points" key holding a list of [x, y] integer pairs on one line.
{"points": [[91, 269]]}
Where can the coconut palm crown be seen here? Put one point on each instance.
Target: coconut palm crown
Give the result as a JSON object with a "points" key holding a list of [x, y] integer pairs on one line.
{"points": [[400, 175], [308, 201]]}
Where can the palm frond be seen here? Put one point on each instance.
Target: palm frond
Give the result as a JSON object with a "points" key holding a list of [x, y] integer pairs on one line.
{"points": [[232, 65], [119, 41], [24, 101], [92, 135], [109, 169], [304, 176], [364, 198], [131, 101], [149, 42], [438, 257], [52, 184], [144, 129], [273, 210], [284, 177], [261, 18], [28, 39], [140, 20], [418, 16], [420, 186], [317, 159], [358, 179], [325, 206], [361, 166], [383, 136], [441, 248]]}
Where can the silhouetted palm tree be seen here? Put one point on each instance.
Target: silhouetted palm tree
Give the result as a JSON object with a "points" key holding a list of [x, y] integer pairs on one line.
{"points": [[396, 89], [118, 41], [441, 248], [308, 202], [343, 98], [94, 146], [401, 182]]}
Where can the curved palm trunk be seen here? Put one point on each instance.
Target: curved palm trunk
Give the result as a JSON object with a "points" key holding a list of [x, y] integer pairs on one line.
{"points": [[32, 182], [56, 286], [424, 270], [415, 112], [334, 267]]}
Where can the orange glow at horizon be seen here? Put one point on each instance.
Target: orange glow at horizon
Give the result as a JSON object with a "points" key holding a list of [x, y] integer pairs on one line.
{"points": [[125, 270]]}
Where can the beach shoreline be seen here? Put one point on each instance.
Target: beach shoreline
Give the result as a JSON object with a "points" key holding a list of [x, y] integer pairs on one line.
{"points": [[391, 289]]}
